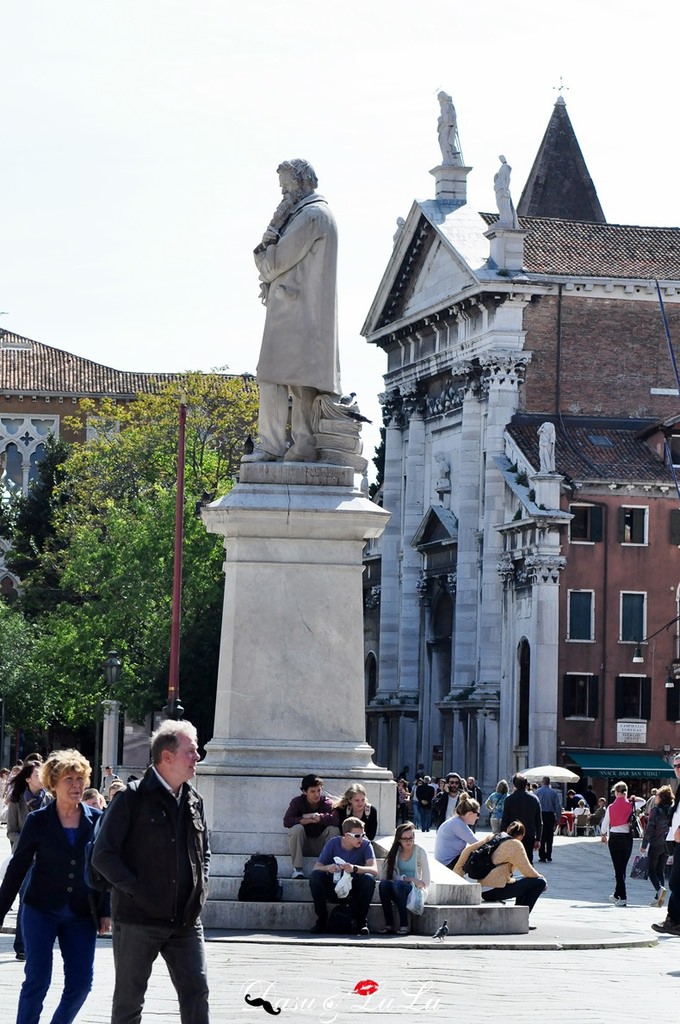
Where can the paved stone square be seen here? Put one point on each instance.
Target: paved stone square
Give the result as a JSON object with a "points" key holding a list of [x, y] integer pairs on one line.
{"points": [[577, 965]]}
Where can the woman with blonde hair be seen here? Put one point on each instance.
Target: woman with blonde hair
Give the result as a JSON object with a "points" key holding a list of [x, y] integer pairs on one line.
{"points": [[494, 805], [354, 804], [406, 865], [456, 832], [58, 905], [615, 831]]}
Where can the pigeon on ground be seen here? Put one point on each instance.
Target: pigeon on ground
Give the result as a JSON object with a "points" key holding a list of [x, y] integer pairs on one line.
{"points": [[442, 931]]}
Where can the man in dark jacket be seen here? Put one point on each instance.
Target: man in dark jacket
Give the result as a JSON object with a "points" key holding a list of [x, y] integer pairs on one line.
{"points": [[153, 848], [425, 796], [524, 807]]}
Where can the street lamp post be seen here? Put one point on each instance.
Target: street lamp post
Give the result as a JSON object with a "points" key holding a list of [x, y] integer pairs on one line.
{"points": [[638, 658], [173, 708], [111, 708]]}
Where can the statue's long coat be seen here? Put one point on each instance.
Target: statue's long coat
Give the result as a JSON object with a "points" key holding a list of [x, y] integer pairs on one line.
{"points": [[300, 342]]}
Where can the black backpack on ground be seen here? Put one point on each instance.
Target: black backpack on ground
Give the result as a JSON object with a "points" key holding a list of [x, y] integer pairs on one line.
{"points": [[341, 920], [479, 864], [260, 879]]}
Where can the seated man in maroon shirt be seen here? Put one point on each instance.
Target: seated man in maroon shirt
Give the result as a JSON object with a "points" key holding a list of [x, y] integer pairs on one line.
{"points": [[311, 822]]}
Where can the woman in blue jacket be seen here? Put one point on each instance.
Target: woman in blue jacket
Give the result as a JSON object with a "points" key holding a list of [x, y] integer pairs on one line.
{"points": [[57, 905]]}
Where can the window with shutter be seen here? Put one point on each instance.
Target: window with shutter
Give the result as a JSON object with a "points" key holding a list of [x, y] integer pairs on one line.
{"points": [[580, 617], [632, 617], [675, 526], [579, 695], [633, 697]]}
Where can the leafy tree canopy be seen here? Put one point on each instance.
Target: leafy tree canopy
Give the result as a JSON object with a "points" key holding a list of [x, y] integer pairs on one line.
{"points": [[108, 548]]}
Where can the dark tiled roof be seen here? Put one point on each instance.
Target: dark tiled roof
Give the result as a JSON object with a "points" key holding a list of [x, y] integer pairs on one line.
{"points": [[559, 184], [589, 449], [29, 367], [583, 249]]}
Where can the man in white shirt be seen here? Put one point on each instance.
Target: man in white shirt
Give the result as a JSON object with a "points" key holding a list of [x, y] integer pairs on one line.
{"points": [[671, 926]]}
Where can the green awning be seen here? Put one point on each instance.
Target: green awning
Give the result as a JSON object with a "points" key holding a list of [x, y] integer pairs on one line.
{"points": [[600, 764]]}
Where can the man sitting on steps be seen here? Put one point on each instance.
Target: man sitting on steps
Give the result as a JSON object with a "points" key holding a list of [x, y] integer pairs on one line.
{"points": [[354, 855], [311, 822]]}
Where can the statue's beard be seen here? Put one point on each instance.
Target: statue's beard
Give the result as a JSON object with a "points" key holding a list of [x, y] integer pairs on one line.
{"points": [[287, 205]]}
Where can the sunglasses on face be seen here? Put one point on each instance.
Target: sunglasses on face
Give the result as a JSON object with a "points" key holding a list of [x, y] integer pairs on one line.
{"points": [[357, 835]]}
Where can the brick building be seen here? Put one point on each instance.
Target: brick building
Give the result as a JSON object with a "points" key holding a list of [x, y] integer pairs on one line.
{"points": [[521, 569], [39, 386]]}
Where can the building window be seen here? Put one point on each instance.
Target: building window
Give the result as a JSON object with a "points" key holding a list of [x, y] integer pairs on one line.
{"points": [[22, 442], [581, 614], [633, 618], [579, 695], [673, 703], [586, 526], [633, 697], [632, 525], [674, 444]]}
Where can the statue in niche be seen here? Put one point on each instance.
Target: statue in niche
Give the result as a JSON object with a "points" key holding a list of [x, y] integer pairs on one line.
{"points": [[447, 131], [546, 447], [297, 262], [507, 215], [443, 472]]}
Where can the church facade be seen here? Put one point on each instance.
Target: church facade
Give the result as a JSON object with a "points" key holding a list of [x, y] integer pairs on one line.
{"points": [[530, 408]]}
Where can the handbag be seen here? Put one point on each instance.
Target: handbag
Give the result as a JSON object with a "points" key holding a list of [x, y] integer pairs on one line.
{"points": [[416, 900], [640, 868], [635, 826]]}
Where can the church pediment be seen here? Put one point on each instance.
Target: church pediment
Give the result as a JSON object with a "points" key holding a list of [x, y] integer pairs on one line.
{"points": [[438, 526], [434, 260]]}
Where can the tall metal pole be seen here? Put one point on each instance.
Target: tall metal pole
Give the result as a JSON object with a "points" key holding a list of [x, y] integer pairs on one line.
{"points": [[174, 707]]}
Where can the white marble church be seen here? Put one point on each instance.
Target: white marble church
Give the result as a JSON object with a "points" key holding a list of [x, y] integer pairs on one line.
{"points": [[493, 325]]}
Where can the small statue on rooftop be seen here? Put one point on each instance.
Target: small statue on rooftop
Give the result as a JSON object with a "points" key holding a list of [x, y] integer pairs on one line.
{"points": [[447, 130], [546, 447], [501, 183]]}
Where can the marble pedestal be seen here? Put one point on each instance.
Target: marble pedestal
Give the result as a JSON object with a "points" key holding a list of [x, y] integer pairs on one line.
{"points": [[290, 691]]}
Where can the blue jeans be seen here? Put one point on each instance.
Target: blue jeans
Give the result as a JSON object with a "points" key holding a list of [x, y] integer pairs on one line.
{"points": [[394, 890], [76, 937], [18, 932], [425, 818], [525, 892], [136, 946]]}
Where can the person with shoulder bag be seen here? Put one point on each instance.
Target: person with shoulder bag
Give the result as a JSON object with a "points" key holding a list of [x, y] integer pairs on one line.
{"points": [[616, 832], [654, 842]]}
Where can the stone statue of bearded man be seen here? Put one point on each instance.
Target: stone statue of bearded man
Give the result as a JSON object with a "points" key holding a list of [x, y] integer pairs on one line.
{"points": [[297, 262]]}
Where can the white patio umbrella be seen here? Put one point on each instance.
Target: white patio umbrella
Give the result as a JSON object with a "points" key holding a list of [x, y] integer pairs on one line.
{"points": [[553, 771]]}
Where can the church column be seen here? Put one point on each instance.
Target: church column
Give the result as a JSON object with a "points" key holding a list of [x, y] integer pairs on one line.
{"points": [[412, 561], [465, 641], [503, 375], [546, 568], [390, 547]]}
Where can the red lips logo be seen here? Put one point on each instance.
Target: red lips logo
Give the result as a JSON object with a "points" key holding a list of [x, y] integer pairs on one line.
{"points": [[366, 987]]}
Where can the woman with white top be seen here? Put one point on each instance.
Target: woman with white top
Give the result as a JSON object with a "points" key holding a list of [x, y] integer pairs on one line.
{"points": [[615, 831]]}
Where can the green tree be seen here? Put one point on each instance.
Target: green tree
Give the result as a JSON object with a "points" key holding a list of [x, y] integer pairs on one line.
{"points": [[111, 549], [30, 524]]}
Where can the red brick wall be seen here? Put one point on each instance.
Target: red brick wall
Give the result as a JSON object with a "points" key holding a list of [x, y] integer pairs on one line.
{"points": [[609, 568], [612, 352]]}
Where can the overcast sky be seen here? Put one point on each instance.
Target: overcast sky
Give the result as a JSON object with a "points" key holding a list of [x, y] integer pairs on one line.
{"points": [[140, 140]]}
